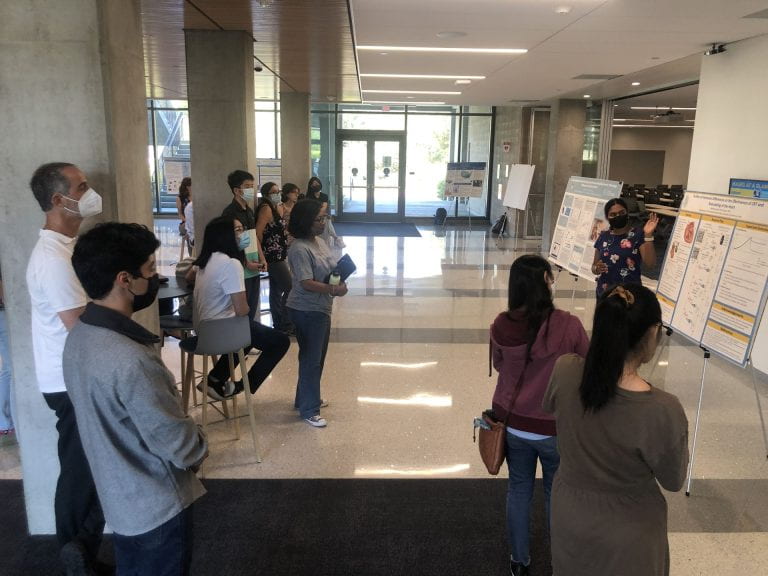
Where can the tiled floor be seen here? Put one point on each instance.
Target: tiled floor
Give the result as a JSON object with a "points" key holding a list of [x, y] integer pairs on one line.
{"points": [[407, 370]]}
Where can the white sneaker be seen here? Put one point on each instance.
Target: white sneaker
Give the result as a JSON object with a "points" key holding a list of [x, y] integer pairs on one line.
{"points": [[317, 421]]}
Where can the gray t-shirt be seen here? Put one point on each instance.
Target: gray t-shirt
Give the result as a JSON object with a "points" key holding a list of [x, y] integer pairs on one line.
{"points": [[310, 260]]}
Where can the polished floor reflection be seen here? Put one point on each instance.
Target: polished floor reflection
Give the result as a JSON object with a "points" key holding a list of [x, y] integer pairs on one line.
{"points": [[407, 370]]}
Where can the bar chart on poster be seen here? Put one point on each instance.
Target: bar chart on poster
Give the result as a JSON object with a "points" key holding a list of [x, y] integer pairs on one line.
{"points": [[579, 223], [712, 288]]}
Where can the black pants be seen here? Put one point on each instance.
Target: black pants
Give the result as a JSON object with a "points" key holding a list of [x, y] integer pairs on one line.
{"points": [[273, 345], [252, 295], [279, 286], [77, 507]]}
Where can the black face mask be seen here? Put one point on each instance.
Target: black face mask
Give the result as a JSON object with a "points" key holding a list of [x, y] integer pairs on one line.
{"points": [[618, 221], [141, 301]]}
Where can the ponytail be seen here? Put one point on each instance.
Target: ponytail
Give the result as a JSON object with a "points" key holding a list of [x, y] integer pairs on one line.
{"points": [[622, 317]]}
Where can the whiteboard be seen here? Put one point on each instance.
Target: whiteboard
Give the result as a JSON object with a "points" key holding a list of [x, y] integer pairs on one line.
{"points": [[518, 186], [579, 223], [714, 282]]}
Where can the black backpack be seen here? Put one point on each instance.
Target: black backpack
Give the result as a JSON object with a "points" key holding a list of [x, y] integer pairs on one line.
{"points": [[500, 225], [440, 215]]}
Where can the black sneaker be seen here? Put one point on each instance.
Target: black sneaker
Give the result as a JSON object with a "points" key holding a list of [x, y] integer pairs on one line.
{"points": [[516, 569], [75, 560], [219, 390]]}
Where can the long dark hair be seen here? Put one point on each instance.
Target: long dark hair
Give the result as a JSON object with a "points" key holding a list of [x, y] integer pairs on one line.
{"points": [[529, 292], [311, 193], [303, 217], [612, 202], [219, 236], [265, 200], [186, 182], [622, 318]]}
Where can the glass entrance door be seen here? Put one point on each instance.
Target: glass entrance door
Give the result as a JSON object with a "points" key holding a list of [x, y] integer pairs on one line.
{"points": [[371, 176]]}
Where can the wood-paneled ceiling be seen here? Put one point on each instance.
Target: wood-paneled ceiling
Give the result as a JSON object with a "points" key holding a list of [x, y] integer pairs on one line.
{"points": [[314, 46], [302, 45]]}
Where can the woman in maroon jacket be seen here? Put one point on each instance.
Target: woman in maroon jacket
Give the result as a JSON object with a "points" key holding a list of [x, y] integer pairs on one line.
{"points": [[526, 340]]}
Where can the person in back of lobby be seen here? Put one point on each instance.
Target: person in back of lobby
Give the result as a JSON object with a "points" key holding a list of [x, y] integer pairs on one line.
{"points": [[183, 200], [621, 251], [142, 449], [270, 230], [241, 184], [526, 340], [619, 438], [220, 293], [310, 304], [314, 187], [7, 430], [289, 195]]}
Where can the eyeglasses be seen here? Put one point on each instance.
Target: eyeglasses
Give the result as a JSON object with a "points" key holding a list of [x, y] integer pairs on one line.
{"points": [[239, 229], [321, 219]]}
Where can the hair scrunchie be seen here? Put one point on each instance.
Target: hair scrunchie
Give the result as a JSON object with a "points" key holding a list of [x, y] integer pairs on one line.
{"points": [[624, 294]]}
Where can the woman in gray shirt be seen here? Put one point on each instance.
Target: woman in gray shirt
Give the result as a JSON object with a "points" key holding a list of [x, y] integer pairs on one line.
{"points": [[310, 303]]}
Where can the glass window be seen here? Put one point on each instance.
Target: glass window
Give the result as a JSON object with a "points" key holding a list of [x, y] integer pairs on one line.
{"points": [[475, 147], [172, 154], [429, 150]]}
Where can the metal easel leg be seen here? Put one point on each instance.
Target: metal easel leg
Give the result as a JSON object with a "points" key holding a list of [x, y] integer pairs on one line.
{"points": [[759, 406], [696, 427]]}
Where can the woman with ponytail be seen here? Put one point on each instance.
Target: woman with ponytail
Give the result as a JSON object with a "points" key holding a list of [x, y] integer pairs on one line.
{"points": [[526, 340], [619, 438]]}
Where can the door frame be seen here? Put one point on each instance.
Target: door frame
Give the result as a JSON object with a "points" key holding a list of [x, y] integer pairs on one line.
{"points": [[370, 136]]}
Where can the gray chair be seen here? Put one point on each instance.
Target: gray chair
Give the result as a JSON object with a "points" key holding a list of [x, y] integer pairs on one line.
{"points": [[215, 338]]}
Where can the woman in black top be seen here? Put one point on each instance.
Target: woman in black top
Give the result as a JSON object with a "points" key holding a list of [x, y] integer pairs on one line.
{"points": [[271, 232]]}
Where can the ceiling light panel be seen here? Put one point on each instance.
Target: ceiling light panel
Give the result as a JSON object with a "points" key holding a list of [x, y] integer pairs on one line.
{"points": [[443, 49], [436, 92], [425, 76]]}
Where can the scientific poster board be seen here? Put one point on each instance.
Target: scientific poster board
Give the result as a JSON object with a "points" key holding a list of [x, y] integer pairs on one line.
{"points": [[269, 170], [464, 179], [712, 288], [579, 223], [175, 171], [518, 186]]}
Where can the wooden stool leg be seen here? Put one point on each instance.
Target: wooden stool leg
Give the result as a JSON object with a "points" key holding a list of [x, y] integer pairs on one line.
{"points": [[231, 360], [205, 394], [249, 402], [188, 381]]}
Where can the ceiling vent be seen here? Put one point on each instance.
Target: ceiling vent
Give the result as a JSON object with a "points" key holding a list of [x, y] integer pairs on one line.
{"points": [[596, 76]]}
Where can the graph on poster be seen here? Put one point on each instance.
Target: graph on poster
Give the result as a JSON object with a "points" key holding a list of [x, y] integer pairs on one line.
{"points": [[712, 288]]}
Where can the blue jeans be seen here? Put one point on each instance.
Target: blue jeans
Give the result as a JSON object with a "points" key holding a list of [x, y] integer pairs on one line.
{"points": [[163, 551], [522, 455], [6, 419], [313, 330]]}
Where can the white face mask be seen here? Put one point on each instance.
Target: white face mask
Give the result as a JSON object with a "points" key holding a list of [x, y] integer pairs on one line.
{"points": [[275, 198], [88, 205], [248, 194]]}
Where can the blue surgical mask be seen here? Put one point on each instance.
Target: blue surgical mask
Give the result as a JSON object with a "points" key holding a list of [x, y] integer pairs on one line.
{"points": [[248, 194], [243, 240]]}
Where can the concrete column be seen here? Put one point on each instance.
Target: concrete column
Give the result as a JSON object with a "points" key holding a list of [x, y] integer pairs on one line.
{"points": [[509, 123], [566, 145], [295, 138], [72, 73], [221, 116]]}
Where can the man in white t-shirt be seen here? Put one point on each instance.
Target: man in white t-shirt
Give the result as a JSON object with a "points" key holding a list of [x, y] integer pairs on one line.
{"points": [[58, 299]]}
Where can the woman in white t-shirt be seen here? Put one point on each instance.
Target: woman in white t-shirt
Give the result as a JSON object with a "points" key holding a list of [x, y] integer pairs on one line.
{"points": [[220, 293]]}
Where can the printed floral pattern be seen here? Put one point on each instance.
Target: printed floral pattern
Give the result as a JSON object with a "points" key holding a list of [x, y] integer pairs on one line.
{"points": [[622, 256]]}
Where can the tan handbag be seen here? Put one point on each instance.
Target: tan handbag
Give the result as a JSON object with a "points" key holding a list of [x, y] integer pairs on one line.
{"points": [[491, 441]]}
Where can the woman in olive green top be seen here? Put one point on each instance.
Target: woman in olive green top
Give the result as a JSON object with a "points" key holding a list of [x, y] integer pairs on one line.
{"points": [[619, 438]]}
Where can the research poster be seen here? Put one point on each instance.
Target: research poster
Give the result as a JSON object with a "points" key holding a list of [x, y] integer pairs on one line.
{"points": [[712, 288], [269, 170], [579, 223], [465, 179], [748, 188]]}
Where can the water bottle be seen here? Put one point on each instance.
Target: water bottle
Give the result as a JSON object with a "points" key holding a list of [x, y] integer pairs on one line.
{"points": [[335, 278]]}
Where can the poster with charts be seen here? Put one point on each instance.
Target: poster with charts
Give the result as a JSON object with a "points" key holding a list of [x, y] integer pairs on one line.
{"points": [[464, 179], [579, 223], [713, 284]]}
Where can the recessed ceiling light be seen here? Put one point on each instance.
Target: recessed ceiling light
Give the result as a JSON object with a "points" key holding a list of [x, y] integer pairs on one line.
{"points": [[443, 49], [635, 83], [425, 76], [414, 92], [465, 81], [587, 96], [383, 53], [451, 34], [562, 9]]}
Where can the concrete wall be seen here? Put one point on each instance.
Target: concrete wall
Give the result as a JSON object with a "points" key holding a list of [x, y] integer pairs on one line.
{"points": [[675, 142], [566, 145], [508, 129], [294, 139], [60, 102], [731, 125]]}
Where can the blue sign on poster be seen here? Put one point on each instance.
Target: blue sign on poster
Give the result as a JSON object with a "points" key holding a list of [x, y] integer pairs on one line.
{"points": [[748, 188]]}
